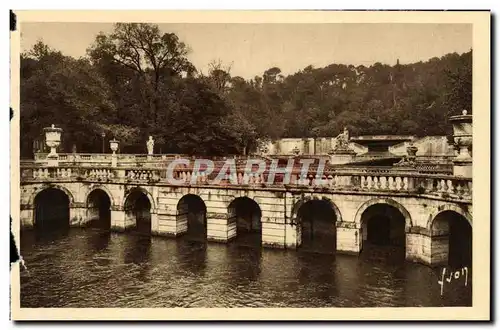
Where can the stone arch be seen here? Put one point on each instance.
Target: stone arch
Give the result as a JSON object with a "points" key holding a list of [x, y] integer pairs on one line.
{"points": [[305, 199], [316, 218], [51, 208], [387, 201], [100, 187], [244, 216], [449, 207], [53, 186], [145, 192], [191, 216]]}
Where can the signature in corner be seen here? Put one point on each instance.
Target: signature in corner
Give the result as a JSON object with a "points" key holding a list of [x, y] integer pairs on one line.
{"points": [[456, 275]]}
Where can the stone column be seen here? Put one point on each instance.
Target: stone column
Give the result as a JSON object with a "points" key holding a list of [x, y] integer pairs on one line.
{"points": [[418, 245], [26, 217], [167, 224], [349, 238], [77, 214], [117, 218], [154, 222], [274, 232], [291, 236], [217, 226]]}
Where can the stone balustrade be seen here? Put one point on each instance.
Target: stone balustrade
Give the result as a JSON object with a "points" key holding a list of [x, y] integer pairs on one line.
{"points": [[376, 180]]}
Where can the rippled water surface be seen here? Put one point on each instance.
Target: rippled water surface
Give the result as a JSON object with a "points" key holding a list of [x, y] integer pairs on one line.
{"points": [[88, 268]]}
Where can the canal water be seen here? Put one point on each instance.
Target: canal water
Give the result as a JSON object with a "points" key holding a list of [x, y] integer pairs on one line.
{"points": [[92, 268]]}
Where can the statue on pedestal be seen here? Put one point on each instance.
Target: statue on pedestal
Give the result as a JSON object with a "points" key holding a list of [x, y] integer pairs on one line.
{"points": [[150, 145], [342, 141]]}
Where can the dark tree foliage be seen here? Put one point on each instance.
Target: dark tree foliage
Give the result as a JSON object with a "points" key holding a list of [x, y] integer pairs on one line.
{"points": [[137, 81]]}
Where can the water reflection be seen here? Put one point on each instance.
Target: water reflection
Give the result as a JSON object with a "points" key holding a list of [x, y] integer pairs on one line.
{"points": [[245, 264], [192, 256], [99, 240], [73, 269]]}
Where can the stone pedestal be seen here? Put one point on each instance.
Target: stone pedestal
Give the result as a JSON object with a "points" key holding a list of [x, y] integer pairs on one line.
{"points": [[463, 169], [113, 144], [53, 161], [341, 156], [462, 135], [349, 240], [114, 160]]}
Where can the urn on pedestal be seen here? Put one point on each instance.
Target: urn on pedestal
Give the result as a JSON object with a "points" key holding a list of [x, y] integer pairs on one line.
{"points": [[113, 145], [462, 136], [53, 140]]}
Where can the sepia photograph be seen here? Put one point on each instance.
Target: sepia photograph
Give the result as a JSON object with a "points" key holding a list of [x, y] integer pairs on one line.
{"points": [[251, 165]]}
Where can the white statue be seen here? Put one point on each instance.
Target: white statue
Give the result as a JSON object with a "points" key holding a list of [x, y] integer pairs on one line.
{"points": [[150, 145]]}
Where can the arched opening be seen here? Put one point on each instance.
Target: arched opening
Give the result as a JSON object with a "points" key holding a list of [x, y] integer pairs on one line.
{"points": [[99, 209], [383, 229], [192, 216], [316, 223], [138, 212], [51, 210], [452, 239], [244, 221]]}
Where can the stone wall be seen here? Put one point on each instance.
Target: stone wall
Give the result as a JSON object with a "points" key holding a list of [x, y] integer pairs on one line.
{"points": [[432, 146], [307, 146]]}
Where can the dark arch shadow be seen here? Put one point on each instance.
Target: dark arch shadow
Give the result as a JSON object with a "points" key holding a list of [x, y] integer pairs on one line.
{"points": [[138, 212], [99, 210], [51, 211], [245, 221], [316, 226], [451, 233], [192, 217], [383, 232]]}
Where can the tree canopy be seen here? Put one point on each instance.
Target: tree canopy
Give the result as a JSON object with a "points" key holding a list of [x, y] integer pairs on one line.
{"points": [[137, 81]]}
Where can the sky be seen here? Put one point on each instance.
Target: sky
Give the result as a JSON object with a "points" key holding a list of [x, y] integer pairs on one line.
{"points": [[251, 49]]}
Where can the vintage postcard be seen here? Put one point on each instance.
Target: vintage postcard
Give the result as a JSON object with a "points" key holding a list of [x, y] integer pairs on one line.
{"points": [[251, 165]]}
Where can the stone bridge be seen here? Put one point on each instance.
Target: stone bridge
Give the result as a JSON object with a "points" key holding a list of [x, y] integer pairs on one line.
{"points": [[351, 209]]}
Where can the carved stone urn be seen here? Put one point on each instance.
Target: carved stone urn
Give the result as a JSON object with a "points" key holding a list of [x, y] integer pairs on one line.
{"points": [[462, 136], [53, 140], [113, 145]]}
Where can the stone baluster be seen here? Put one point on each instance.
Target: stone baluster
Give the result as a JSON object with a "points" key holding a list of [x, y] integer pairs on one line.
{"points": [[403, 183], [444, 187], [451, 187], [373, 180]]}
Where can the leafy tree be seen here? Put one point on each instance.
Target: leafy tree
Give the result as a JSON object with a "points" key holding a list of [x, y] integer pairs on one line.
{"points": [[61, 90]]}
